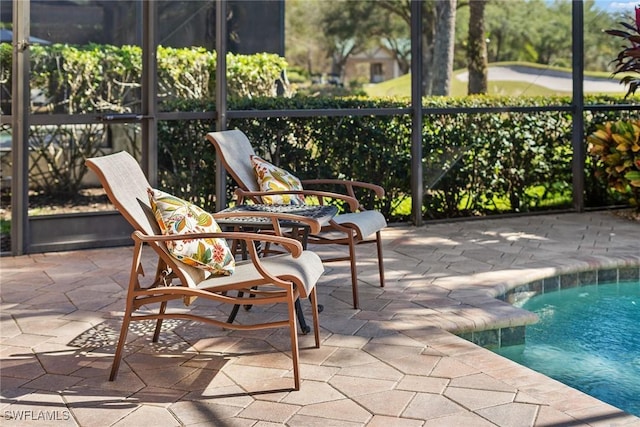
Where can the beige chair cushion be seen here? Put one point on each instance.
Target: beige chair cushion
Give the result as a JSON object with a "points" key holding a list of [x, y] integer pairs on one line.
{"points": [[304, 270], [365, 222]]}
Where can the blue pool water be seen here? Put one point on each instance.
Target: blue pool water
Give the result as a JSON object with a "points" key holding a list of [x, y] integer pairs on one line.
{"points": [[588, 338]]}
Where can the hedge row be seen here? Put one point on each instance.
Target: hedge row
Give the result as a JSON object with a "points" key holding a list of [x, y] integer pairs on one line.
{"points": [[473, 163], [104, 78]]}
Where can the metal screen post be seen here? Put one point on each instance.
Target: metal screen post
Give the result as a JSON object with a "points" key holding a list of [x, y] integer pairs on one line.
{"points": [[20, 97], [221, 97], [577, 104], [149, 91], [417, 186]]}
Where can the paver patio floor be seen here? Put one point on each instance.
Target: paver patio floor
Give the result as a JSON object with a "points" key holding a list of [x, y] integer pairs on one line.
{"points": [[393, 362]]}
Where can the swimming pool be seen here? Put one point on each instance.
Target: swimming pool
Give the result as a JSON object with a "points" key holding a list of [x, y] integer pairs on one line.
{"points": [[588, 338]]}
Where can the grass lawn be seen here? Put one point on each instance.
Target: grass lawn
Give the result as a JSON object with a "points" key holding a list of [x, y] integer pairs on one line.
{"points": [[401, 87]]}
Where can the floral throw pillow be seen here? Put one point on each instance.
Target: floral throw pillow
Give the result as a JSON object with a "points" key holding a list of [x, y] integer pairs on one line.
{"points": [[177, 216], [273, 178]]}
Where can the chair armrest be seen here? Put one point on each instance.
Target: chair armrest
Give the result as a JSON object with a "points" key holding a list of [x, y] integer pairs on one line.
{"points": [[348, 184], [275, 218], [255, 196], [291, 245]]}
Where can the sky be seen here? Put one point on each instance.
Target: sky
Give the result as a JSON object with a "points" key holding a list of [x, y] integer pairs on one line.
{"points": [[617, 5]]}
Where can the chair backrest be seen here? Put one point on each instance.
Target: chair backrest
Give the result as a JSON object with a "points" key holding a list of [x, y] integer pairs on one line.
{"points": [[126, 186], [235, 150]]}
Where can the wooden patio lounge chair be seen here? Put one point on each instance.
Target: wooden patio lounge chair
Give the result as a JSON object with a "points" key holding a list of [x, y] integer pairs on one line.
{"points": [[350, 229], [257, 281]]}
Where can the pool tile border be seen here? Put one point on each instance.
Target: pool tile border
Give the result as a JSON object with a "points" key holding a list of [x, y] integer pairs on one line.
{"points": [[571, 280], [493, 338]]}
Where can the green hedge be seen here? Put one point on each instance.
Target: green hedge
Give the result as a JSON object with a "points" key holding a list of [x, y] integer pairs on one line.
{"points": [[104, 78], [474, 163]]}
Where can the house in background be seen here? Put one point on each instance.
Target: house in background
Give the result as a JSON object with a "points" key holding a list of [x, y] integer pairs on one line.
{"points": [[374, 65]]}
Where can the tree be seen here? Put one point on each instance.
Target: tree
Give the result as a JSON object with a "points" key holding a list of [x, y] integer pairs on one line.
{"points": [[477, 49], [347, 26], [430, 34], [444, 45], [303, 43], [400, 47], [394, 32], [402, 8], [598, 48], [508, 25], [549, 43]]}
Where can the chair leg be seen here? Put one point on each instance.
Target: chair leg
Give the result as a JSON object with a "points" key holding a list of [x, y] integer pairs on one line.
{"points": [[380, 258], [354, 271], [301, 320], [136, 268], [313, 297], [120, 346], [234, 310], [156, 333], [293, 330]]}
